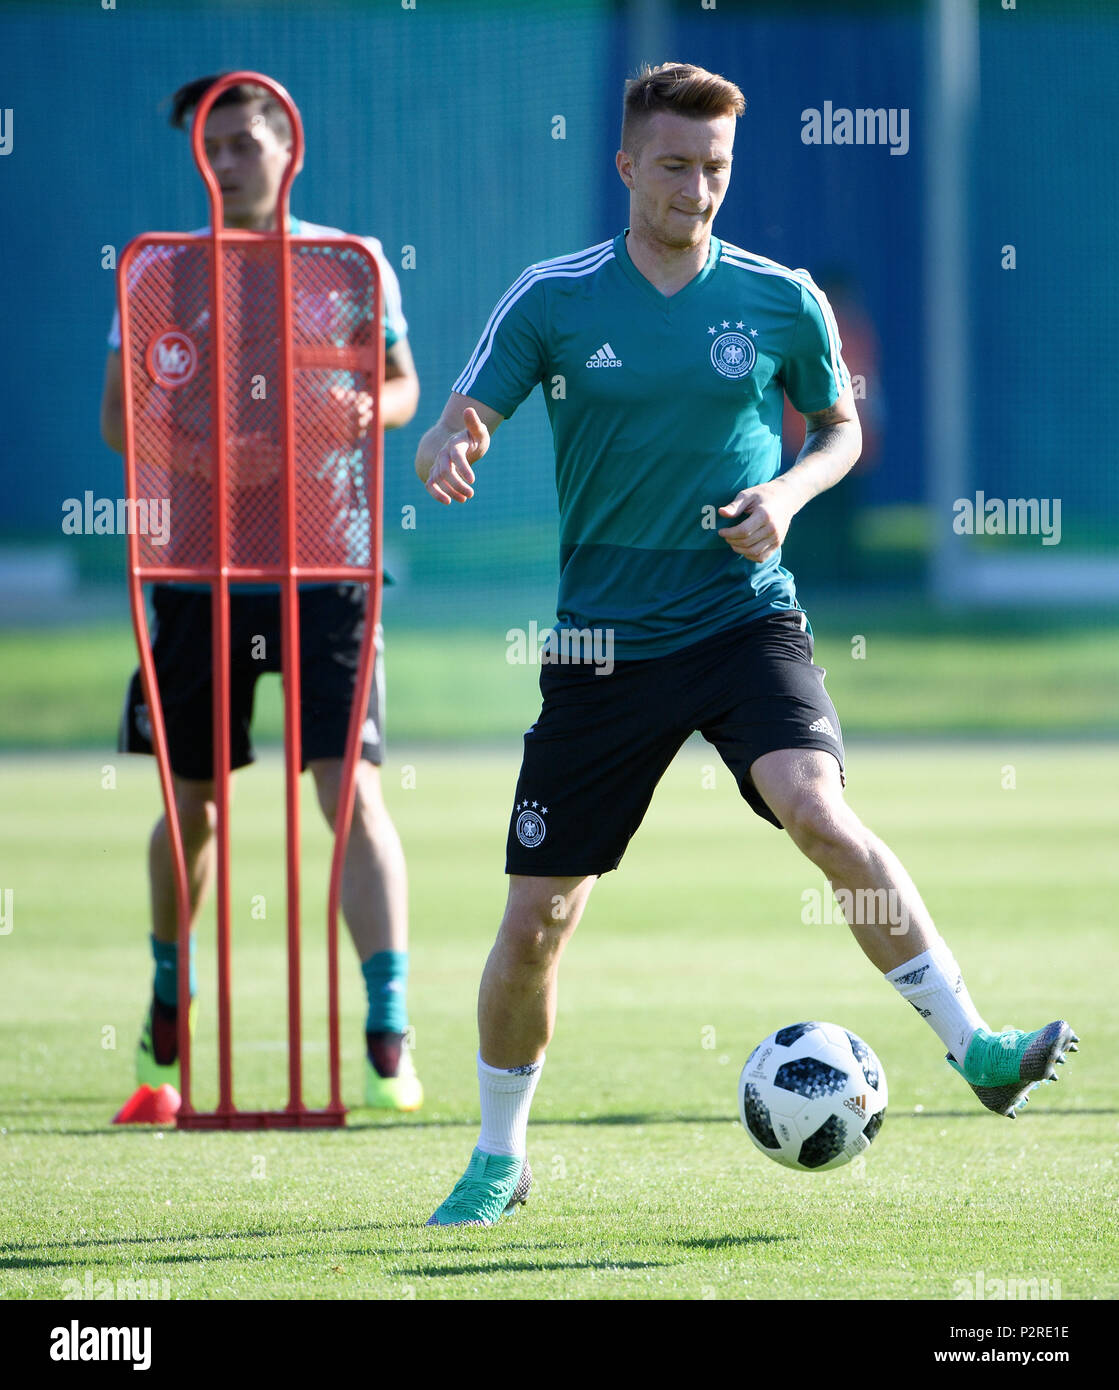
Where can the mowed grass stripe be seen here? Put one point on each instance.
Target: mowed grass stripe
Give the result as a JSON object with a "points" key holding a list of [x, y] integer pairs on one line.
{"points": [[899, 673]]}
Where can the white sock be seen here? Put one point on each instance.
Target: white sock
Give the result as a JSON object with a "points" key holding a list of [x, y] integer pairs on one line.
{"points": [[933, 984], [506, 1096]]}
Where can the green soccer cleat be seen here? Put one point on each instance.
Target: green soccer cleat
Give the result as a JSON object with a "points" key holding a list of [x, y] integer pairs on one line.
{"points": [[157, 1054], [492, 1186], [1002, 1068], [400, 1092]]}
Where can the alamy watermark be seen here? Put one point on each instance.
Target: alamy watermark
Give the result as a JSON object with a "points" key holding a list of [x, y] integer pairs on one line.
{"points": [[561, 646], [980, 1286], [865, 125], [859, 907], [117, 516], [1008, 516], [89, 1287], [77, 1343]]}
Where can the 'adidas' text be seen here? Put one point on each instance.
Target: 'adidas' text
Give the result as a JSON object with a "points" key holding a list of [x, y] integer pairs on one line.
{"points": [[604, 357]]}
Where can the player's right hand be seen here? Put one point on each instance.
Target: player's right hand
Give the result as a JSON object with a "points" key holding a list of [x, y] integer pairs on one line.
{"points": [[357, 411], [451, 477]]}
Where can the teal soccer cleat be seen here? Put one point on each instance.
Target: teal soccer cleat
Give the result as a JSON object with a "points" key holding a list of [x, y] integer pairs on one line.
{"points": [[493, 1185], [1002, 1068]]}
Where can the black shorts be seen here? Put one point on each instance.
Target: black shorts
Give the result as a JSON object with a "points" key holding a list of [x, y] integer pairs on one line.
{"points": [[603, 742], [331, 625]]}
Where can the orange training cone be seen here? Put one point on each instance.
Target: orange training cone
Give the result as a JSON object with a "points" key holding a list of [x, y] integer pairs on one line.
{"points": [[150, 1107]]}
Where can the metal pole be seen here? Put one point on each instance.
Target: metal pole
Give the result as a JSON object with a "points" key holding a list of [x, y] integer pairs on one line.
{"points": [[952, 92]]}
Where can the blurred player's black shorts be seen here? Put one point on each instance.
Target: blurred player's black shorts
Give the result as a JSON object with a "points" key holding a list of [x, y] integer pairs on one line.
{"points": [[331, 624], [602, 742]]}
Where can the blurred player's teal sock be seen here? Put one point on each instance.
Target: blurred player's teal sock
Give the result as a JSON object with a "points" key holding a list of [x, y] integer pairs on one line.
{"points": [[386, 983], [166, 984]]}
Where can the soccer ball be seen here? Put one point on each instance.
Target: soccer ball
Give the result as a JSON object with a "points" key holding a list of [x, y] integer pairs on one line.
{"points": [[812, 1096]]}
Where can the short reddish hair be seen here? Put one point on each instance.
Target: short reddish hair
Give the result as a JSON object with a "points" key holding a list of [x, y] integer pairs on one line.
{"points": [[679, 87]]}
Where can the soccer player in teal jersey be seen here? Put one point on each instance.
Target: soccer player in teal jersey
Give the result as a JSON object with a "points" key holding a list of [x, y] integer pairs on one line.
{"points": [[664, 355], [248, 144]]}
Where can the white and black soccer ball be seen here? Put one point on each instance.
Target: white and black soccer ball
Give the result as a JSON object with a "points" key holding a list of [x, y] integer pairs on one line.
{"points": [[812, 1096]]}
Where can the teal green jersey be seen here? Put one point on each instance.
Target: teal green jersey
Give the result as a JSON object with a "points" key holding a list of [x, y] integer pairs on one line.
{"points": [[662, 409]]}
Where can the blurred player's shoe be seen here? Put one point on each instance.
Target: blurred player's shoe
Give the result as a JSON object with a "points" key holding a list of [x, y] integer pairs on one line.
{"points": [[492, 1185], [391, 1082], [157, 1055], [1002, 1068]]}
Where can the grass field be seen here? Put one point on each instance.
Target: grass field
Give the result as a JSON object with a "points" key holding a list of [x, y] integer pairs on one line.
{"points": [[646, 1185], [913, 674]]}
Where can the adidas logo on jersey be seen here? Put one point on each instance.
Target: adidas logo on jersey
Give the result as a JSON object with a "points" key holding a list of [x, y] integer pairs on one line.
{"points": [[604, 357], [822, 726]]}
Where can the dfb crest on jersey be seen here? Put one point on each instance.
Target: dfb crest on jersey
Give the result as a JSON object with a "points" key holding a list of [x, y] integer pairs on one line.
{"points": [[733, 355], [171, 359]]}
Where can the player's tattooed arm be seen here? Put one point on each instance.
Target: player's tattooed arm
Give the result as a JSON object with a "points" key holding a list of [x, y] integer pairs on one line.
{"points": [[457, 440], [833, 441], [762, 514]]}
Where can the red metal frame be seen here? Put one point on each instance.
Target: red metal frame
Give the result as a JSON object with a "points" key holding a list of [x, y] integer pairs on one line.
{"points": [[220, 574]]}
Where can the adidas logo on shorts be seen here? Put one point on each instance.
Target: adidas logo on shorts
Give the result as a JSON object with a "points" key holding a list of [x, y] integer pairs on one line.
{"points": [[823, 726]]}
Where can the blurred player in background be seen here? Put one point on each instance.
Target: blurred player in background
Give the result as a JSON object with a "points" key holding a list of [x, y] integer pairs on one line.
{"points": [[675, 351], [826, 543], [248, 145]]}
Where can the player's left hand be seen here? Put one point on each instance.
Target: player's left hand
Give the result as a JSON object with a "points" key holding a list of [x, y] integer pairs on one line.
{"points": [[762, 516]]}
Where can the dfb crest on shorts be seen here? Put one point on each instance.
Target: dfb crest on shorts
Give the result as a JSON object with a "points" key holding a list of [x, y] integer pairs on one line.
{"points": [[733, 355], [530, 823]]}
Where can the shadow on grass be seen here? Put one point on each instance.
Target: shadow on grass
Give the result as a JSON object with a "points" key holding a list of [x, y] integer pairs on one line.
{"points": [[657, 1117], [387, 1123], [48, 1103], [110, 1252], [724, 1242], [390, 1123], [523, 1267], [431, 1271], [70, 1259], [980, 1114], [107, 1261], [50, 1132], [107, 1251]]}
